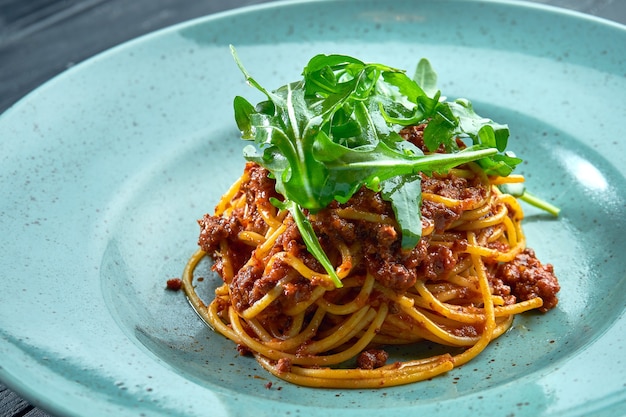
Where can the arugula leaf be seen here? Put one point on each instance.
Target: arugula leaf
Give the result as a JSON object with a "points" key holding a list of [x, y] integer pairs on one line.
{"points": [[308, 235], [243, 114], [349, 169], [519, 190], [458, 119], [405, 194], [336, 130], [426, 77]]}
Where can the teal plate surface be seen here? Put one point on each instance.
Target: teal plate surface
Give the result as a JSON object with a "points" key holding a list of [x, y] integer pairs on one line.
{"points": [[105, 169]]}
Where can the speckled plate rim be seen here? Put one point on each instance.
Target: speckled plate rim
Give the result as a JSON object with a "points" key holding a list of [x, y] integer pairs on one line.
{"points": [[18, 365]]}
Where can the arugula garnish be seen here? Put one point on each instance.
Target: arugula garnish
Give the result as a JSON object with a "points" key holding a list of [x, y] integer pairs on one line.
{"points": [[519, 190], [324, 137]]}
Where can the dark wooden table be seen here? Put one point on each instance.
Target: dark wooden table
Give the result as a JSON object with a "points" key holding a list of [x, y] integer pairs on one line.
{"points": [[41, 38]]}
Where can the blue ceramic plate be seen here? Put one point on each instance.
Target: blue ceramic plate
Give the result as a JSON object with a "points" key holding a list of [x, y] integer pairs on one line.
{"points": [[105, 169]]}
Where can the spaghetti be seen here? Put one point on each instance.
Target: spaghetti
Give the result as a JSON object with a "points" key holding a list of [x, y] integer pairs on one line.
{"points": [[460, 287]]}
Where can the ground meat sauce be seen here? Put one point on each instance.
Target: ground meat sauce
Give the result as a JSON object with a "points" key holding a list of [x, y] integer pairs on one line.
{"points": [[174, 284], [528, 278], [371, 359], [398, 269]]}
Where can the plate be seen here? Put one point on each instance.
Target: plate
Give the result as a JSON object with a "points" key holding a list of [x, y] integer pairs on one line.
{"points": [[106, 168]]}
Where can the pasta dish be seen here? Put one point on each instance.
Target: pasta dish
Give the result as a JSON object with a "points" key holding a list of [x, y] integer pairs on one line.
{"points": [[418, 239]]}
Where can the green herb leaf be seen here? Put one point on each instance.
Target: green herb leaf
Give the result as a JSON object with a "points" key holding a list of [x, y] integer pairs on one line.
{"points": [[426, 77], [309, 238], [243, 114], [405, 194], [350, 168], [519, 190]]}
